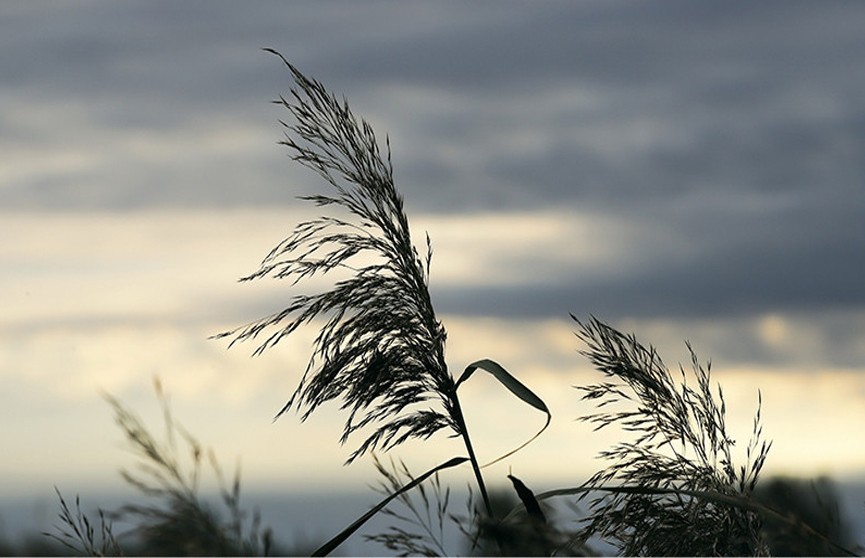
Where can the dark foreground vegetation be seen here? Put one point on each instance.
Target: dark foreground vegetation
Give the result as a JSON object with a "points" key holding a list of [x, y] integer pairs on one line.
{"points": [[170, 516], [670, 487]]}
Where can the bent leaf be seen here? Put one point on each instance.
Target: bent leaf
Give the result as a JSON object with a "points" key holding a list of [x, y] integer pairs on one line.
{"points": [[330, 545], [514, 386]]}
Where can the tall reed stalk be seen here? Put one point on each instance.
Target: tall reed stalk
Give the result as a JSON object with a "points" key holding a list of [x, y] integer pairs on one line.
{"points": [[381, 349]]}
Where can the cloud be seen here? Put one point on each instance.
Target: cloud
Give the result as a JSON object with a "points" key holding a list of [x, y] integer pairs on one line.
{"points": [[582, 104], [93, 272], [670, 268]]}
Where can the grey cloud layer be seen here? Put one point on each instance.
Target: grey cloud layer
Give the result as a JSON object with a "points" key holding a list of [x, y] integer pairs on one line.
{"points": [[738, 126], [665, 101]]}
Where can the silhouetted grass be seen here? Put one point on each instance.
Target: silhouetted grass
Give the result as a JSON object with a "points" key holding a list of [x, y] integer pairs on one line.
{"points": [[419, 528], [423, 522], [813, 503], [381, 349], [177, 520], [680, 445], [670, 488], [78, 534], [171, 518]]}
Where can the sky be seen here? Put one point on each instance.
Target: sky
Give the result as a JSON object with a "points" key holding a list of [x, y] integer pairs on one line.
{"points": [[683, 171]]}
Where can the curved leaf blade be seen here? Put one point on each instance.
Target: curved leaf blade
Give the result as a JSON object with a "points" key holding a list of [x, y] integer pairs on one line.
{"points": [[504, 377], [514, 386], [331, 545]]}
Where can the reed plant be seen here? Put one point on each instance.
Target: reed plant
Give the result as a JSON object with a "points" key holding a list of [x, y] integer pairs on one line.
{"points": [[78, 533], [424, 522], [420, 519], [680, 455], [814, 503], [168, 474], [171, 517], [380, 351], [673, 487]]}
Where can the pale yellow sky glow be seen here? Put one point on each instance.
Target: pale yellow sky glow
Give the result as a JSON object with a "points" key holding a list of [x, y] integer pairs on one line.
{"points": [[104, 302]]}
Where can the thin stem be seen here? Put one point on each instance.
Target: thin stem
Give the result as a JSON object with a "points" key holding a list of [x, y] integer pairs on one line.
{"points": [[464, 431]]}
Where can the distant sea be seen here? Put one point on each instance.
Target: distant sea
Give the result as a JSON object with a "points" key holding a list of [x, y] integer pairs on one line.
{"points": [[308, 518]]}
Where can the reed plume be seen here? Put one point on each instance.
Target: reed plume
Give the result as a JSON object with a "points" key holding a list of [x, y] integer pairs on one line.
{"points": [[674, 488], [381, 350]]}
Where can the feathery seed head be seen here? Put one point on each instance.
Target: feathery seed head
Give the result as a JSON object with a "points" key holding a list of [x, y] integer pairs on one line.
{"points": [[381, 348]]}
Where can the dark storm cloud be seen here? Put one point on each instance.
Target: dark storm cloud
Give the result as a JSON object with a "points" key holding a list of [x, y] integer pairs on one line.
{"points": [[739, 126], [800, 254], [739, 283], [764, 96]]}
